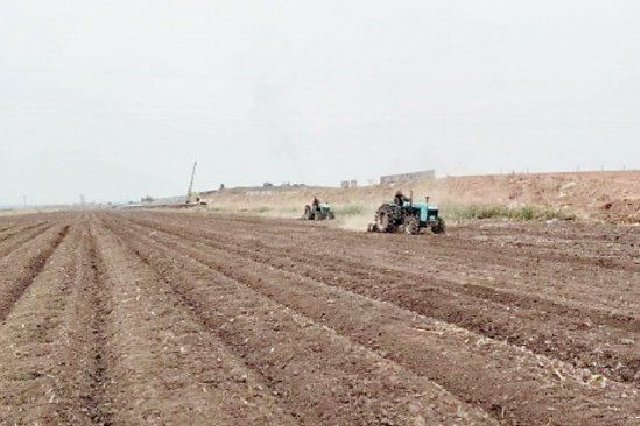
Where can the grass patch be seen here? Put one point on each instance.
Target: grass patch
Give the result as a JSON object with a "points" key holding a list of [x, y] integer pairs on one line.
{"points": [[350, 210], [252, 210], [262, 209], [217, 209], [290, 210], [524, 213]]}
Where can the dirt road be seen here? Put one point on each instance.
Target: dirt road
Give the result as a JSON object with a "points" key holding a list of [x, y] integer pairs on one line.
{"points": [[162, 318]]}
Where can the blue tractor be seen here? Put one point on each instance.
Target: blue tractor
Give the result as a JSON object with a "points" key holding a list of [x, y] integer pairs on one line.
{"points": [[403, 215]]}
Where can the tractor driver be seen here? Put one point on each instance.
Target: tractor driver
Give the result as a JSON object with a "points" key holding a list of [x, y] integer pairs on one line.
{"points": [[399, 199], [316, 204]]}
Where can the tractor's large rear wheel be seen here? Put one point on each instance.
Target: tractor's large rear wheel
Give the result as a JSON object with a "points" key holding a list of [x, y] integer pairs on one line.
{"points": [[386, 223]]}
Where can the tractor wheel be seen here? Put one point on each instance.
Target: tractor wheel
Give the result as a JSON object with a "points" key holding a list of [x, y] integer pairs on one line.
{"points": [[412, 226], [439, 228], [307, 213], [386, 222], [331, 216]]}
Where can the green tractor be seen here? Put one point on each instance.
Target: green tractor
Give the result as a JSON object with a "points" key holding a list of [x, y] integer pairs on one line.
{"points": [[318, 212], [405, 216]]}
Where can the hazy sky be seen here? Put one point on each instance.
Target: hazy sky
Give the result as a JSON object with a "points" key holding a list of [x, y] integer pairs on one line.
{"points": [[115, 99]]}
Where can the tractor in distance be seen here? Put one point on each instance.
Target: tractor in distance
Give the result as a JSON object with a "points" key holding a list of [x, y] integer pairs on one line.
{"points": [[404, 215], [318, 211]]}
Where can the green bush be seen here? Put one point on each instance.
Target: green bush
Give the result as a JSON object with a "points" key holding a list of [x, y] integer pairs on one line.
{"points": [[525, 213]]}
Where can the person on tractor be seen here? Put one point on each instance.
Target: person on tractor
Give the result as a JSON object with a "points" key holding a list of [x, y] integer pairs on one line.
{"points": [[316, 204], [399, 199]]}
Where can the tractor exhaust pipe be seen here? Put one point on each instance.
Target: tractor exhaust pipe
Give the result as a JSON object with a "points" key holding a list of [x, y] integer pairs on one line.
{"points": [[411, 198]]}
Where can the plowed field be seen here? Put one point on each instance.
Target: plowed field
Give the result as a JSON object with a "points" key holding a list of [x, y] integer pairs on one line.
{"points": [[166, 318]]}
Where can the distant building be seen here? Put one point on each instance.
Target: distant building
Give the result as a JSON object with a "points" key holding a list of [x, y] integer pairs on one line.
{"points": [[344, 183], [354, 183], [349, 183], [404, 177]]}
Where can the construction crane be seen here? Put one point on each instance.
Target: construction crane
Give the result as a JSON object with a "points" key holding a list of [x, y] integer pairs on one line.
{"points": [[189, 199], [189, 191]]}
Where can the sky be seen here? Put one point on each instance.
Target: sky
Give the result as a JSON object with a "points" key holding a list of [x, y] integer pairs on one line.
{"points": [[115, 99]]}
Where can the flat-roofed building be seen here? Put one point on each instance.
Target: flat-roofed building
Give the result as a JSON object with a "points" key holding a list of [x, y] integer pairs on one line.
{"points": [[404, 177]]}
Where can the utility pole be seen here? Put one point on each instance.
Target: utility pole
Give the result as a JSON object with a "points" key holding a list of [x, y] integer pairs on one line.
{"points": [[193, 172]]}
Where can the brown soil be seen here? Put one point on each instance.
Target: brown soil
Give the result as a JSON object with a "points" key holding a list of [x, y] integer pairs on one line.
{"points": [[179, 319]]}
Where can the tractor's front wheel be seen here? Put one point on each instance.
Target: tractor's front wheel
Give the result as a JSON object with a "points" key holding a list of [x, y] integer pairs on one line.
{"points": [[412, 226], [439, 227]]}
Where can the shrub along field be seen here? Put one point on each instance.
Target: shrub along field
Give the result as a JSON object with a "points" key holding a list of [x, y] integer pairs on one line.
{"points": [[504, 212]]}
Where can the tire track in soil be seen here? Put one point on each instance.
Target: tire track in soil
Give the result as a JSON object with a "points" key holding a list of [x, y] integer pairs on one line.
{"points": [[531, 272], [584, 235], [167, 367], [86, 323], [559, 391], [499, 296], [53, 375], [558, 336], [565, 253], [5, 229], [322, 377], [457, 254], [531, 268], [21, 239], [17, 229], [367, 271], [443, 255], [480, 290], [32, 342], [98, 403], [33, 269], [535, 275]]}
